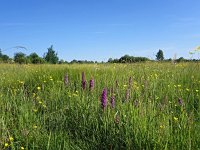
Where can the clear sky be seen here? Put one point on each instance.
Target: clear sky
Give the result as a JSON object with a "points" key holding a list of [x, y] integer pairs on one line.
{"points": [[100, 29]]}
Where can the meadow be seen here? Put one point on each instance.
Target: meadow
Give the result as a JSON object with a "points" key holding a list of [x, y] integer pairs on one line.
{"points": [[100, 106]]}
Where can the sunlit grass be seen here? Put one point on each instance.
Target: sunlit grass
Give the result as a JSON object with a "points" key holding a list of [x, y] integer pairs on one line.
{"points": [[156, 106]]}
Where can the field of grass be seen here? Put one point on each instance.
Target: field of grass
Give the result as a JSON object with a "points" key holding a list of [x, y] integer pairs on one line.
{"points": [[130, 106]]}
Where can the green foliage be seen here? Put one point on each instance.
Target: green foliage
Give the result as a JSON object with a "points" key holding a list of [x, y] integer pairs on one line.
{"points": [[132, 59], [74, 61], [4, 58], [128, 59], [20, 58], [160, 55], [110, 60], [35, 59], [1, 53], [51, 56], [181, 59]]}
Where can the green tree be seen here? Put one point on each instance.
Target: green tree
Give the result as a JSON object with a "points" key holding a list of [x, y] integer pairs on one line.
{"points": [[181, 59], [110, 60], [0, 53], [132, 59], [20, 58], [124, 59], [35, 59], [160, 55], [51, 56], [5, 58], [61, 61]]}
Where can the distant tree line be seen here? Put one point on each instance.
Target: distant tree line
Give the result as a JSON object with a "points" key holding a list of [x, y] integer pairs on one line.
{"points": [[4, 58], [160, 57], [82, 62], [181, 59], [51, 57], [128, 59]]}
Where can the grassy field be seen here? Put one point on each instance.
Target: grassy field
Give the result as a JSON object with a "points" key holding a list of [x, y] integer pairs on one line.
{"points": [[129, 106]]}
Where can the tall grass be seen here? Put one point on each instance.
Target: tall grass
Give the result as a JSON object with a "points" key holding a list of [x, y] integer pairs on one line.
{"points": [[156, 106]]}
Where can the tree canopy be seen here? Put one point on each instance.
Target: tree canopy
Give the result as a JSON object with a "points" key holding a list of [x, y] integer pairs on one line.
{"points": [[35, 59], [128, 59], [160, 55], [51, 56], [20, 58]]}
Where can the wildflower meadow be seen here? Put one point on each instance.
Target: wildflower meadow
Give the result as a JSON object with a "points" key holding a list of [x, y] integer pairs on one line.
{"points": [[100, 106]]}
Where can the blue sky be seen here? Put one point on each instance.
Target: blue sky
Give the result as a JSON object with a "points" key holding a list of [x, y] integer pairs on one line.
{"points": [[100, 29]]}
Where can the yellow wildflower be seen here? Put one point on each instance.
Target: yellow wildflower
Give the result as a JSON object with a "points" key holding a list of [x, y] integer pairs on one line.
{"points": [[39, 88], [6, 144], [21, 82], [11, 139], [34, 94], [35, 110], [162, 126], [74, 94], [22, 148], [125, 85], [175, 119], [34, 127]]}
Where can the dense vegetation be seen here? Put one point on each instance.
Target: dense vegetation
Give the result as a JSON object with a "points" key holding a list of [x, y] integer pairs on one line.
{"points": [[51, 57], [100, 106]]}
